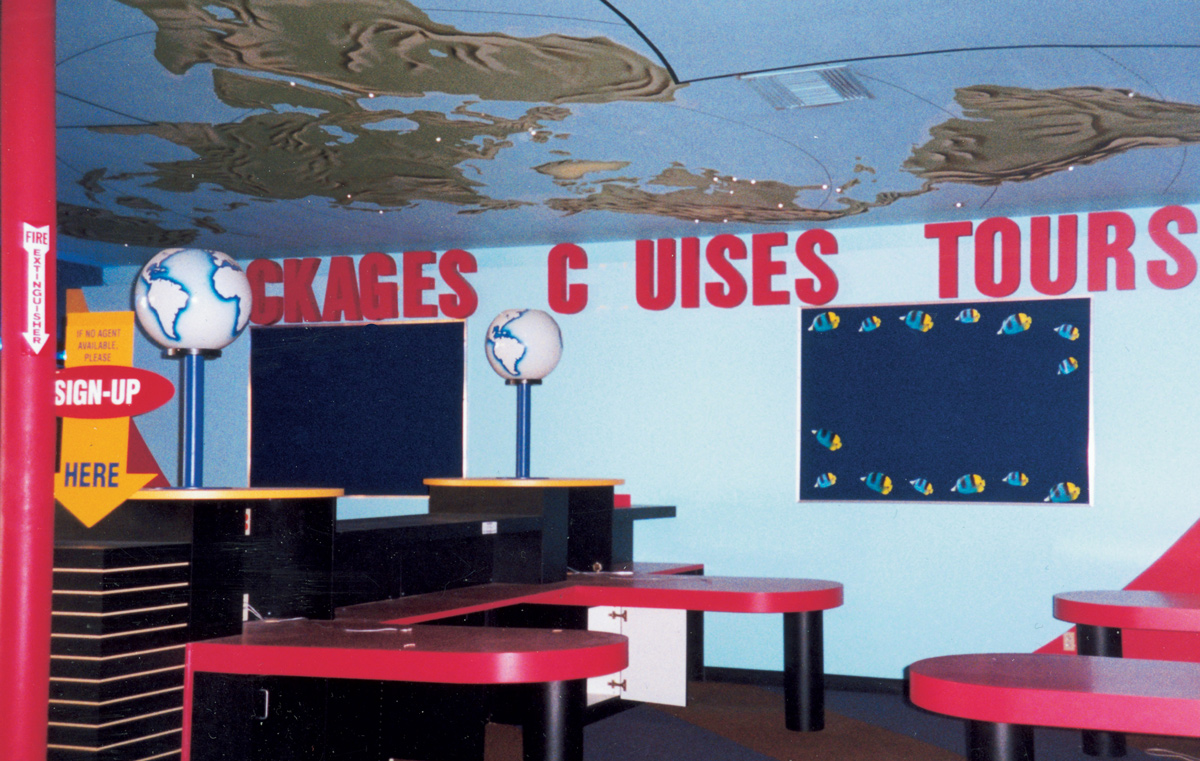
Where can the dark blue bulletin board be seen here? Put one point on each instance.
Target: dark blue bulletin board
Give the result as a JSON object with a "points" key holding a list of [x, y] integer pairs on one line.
{"points": [[946, 402], [372, 409]]}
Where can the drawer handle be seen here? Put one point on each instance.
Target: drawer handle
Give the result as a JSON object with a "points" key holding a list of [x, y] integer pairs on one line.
{"points": [[619, 685], [623, 615], [266, 704]]}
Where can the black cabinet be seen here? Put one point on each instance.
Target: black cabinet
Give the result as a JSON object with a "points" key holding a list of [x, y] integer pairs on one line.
{"points": [[576, 514], [119, 627], [269, 558], [251, 718], [254, 551], [383, 558], [167, 567], [254, 718]]}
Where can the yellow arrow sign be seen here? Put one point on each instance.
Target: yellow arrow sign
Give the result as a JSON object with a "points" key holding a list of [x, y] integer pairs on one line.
{"points": [[91, 480]]}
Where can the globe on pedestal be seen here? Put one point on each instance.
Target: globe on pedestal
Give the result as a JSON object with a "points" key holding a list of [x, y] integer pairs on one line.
{"points": [[192, 299], [523, 344]]}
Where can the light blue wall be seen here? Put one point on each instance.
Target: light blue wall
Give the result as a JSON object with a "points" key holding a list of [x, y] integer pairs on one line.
{"points": [[698, 408]]}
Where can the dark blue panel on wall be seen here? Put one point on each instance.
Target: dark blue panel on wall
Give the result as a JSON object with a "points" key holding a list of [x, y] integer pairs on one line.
{"points": [[372, 409], [962, 402], [71, 275]]}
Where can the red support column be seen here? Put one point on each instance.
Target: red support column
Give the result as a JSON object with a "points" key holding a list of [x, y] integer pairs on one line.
{"points": [[27, 328]]}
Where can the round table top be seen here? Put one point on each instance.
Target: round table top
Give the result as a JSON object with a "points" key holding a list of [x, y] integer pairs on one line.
{"points": [[1130, 609], [718, 594], [358, 649], [1079, 691], [235, 493], [524, 482]]}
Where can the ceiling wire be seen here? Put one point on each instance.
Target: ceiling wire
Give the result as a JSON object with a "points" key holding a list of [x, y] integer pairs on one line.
{"points": [[99, 45], [1184, 148], [102, 107], [477, 12], [829, 190], [919, 53]]}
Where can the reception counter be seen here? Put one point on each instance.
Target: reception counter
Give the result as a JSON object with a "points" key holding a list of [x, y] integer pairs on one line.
{"points": [[167, 567]]}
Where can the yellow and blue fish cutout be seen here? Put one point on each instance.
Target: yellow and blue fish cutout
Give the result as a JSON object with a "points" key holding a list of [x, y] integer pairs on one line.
{"points": [[1067, 331], [1068, 366], [869, 324], [918, 320], [825, 321], [972, 483], [1063, 492], [968, 316], [1016, 478], [825, 480], [828, 439], [878, 482], [922, 486], [1015, 323]]}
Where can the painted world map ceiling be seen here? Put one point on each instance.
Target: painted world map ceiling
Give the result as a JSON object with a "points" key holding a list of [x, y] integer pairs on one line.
{"points": [[318, 127]]}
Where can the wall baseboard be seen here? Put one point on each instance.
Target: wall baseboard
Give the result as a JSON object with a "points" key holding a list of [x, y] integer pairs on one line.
{"points": [[832, 681]]}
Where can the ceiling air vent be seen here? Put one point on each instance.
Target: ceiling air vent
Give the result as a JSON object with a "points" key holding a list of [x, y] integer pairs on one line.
{"points": [[799, 88]]}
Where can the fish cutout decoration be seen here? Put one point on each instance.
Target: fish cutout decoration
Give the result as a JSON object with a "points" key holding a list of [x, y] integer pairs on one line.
{"points": [[972, 483], [1067, 331], [825, 480], [878, 482], [918, 320], [1016, 478], [922, 486], [1063, 492], [1015, 323], [828, 439], [825, 321]]}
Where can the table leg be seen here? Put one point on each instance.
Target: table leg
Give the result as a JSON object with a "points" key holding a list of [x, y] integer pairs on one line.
{"points": [[991, 741], [553, 730], [1103, 641], [803, 671], [186, 738]]}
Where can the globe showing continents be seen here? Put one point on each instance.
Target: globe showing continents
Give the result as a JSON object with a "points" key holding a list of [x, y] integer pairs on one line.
{"points": [[523, 344], [188, 298]]}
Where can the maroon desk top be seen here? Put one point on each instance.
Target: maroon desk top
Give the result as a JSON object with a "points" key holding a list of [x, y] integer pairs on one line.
{"points": [[432, 606], [1077, 691], [355, 649], [639, 566], [728, 594], [1130, 609]]}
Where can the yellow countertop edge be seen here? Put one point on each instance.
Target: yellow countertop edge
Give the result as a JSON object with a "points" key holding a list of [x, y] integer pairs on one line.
{"points": [[525, 482], [236, 493]]}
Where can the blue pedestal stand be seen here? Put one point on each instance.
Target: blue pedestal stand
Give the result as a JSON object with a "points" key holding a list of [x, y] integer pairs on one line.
{"points": [[192, 435], [524, 400]]}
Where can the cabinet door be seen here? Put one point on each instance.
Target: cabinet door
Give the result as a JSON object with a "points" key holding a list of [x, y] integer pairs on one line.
{"points": [[237, 717], [657, 671], [606, 619]]}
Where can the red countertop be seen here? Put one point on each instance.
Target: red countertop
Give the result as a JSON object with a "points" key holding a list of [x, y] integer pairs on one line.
{"points": [[356, 649], [1077, 691], [727, 594], [1130, 609]]}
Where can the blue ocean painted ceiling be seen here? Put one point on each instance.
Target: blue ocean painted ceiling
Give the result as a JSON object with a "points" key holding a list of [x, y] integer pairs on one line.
{"points": [[319, 127]]}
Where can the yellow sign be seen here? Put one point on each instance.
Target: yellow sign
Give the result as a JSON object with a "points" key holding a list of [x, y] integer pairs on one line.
{"points": [[91, 480]]}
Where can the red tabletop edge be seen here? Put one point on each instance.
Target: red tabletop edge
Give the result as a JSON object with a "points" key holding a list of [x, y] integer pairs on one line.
{"points": [[1130, 609], [727, 594], [436, 654], [1076, 691]]}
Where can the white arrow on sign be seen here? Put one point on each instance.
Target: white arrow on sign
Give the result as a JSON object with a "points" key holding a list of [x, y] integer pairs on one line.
{"points": [[36, 242]]}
